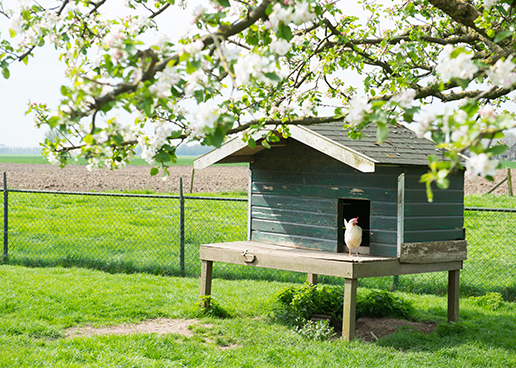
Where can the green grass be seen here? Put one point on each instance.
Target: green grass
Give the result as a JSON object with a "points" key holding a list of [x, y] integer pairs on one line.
{"points": [[117, 233], [508, 164], [133, 234], [38, 304]]}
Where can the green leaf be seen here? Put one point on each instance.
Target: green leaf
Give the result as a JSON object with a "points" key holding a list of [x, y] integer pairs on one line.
{"points": [[6, 73], [382, 132], [65, 91], [500, 36], [266, 144], [284, 31], [251, 142], [12, 33], [224, 3], [272, 76], [498, 149], [154, 171], [53, 121]]}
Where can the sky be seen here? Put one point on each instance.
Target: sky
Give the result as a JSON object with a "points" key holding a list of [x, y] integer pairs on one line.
{"points": [[41, 79]]}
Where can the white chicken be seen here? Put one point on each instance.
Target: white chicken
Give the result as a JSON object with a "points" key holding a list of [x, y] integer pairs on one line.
{"points": [[352, 235]]}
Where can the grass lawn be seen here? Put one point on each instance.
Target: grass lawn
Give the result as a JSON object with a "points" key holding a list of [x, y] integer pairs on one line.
{"points": [[38, 304]]}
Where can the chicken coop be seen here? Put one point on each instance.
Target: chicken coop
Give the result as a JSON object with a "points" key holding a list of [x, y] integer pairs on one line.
{"points": [[303, 187]]}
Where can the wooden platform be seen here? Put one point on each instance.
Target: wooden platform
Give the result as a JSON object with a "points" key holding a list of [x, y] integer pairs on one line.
{"points": [[315, 262]]}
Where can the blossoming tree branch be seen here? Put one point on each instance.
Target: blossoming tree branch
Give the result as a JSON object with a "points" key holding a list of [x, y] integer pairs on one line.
{"points": [[261, 66]]}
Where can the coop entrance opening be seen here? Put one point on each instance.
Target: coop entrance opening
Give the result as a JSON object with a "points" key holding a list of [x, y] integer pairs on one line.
{"points": [[352, 208]]}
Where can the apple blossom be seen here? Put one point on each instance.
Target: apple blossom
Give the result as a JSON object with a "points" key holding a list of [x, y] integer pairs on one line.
{"points": [[281, 46], [480, 165], [358, 106], [461, 66], [487, 112], [406, 98], [502, 73], [206, 116]]}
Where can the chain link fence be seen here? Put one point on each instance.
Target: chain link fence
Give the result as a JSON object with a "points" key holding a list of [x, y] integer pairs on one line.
{"points": [[161, 234]]}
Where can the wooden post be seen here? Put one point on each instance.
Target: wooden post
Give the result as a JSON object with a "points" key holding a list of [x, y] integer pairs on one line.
{"points": [[6, 218], [181, 229], [312, 278], [497, 185], [509, 181], [349, 313], [206, 275], [453, 295], [191, 180]]}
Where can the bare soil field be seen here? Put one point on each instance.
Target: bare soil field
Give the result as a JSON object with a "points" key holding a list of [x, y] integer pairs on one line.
{"points": [[215, 179], [77, 178]]}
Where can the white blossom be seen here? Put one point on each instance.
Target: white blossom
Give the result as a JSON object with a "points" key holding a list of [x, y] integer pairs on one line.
{"points": [[406, 98], [113, 38], [461, 116], [280, 47], [192, 82], [302, 13], [502, 74], [487, 112], [359, 106], [160, 40], [52, 159], [307, 107], [480, 165], [254, 66], [16, 23], [207, 115], [191, 48], [461, 66], [423, 124], [489, 3], [457, 134], [164, 82]]}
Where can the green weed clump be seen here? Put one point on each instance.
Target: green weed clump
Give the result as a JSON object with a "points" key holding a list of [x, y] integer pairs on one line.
{"points": [[379, 304], [295, 306], [490, 301]]}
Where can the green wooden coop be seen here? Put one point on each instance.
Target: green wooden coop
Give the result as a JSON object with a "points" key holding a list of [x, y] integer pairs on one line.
{"points": [[303, 187]]}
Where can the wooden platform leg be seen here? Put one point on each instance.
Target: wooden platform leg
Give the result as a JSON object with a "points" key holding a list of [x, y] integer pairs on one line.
{"points": [[312, 278], [206, 275], [350, 309], [453, 295]]}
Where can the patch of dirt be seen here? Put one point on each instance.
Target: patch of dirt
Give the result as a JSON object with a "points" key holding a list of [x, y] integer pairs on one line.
{"points": [[77, 178], [482, 185], [159, 326], [372, 329], [367, 329]]}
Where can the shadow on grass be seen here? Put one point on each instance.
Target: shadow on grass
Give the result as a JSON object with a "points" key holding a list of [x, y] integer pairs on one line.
{"points": [[475, 328]]}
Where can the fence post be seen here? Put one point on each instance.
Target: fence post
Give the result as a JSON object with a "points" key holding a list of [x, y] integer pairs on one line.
{"points": [[6, 218], [181, 228], [509, 181]]}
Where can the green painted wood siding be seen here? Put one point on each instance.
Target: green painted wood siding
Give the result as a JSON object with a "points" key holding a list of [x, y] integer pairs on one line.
{"points": [[294, 201]]}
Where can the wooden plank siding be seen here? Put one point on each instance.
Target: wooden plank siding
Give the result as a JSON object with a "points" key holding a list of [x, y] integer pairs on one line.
{"points": [[440, 220], [295, 192]]}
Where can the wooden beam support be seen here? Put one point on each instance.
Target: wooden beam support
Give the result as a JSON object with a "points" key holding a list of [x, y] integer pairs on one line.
{"points": [[206, 276], [312, 278], [453, 295], [349, 314]]}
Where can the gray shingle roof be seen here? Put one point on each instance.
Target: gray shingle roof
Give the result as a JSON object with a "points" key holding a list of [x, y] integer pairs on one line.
{"points": [[402, 145]]}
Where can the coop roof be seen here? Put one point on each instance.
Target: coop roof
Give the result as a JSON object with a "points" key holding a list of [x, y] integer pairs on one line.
{"points": [[402, 147]]}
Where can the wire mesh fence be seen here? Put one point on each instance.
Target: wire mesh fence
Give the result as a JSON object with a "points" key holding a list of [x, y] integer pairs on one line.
{"points": [[161, 234]]}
